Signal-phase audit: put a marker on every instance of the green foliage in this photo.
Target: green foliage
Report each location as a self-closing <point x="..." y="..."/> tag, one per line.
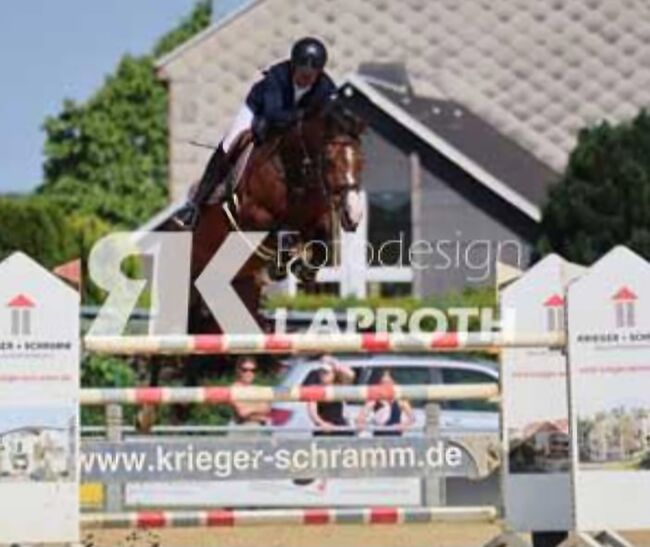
<point x="603" y="199"/>
<point x="37" y="228"/>
<point x="645" y="461"/>
<point x="108" y="156"/>
<point x="194" y="23"/>
<point x="106" y="371"/>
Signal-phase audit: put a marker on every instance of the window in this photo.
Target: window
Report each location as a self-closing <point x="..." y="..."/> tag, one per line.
<point x="464" y="376"/>
<point x="313" y="378"/>
<point x="389" y="228"/>
<point x="404" y="376"/>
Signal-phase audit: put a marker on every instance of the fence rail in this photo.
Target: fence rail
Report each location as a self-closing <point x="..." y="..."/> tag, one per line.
<point x="316" y="343"/>
<point x="229" y="518"/>
<point x="317" y="393"/>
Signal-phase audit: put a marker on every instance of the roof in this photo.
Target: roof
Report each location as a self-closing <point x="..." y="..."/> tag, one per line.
<point x="624" y="294"/>
<point x="31" y="430"/>
<point x="20" y="301"/>
<point x="554" y="301"/>
<point x="468" y="141"/>
<point x="536" y="71"/>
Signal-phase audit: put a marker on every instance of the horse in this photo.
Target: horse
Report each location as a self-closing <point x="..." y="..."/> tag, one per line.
<point x="297" y="182"/>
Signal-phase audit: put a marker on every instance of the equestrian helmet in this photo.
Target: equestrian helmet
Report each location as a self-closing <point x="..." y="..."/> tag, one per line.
<point x="309" y="52"/>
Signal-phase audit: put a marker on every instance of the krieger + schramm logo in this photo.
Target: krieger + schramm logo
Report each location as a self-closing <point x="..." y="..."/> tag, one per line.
<point x="21" y="308"/>
<point x="625" y="308"/>
<point x="554" y="313"/>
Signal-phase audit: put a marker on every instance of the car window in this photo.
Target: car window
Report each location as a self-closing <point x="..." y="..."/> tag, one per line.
<point x="465" y="376"/>
<point x="313" y="377"/>
<point x="403" y="376"/>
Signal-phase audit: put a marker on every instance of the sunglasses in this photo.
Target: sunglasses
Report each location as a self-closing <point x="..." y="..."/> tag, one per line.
<point x="247" y="369"/>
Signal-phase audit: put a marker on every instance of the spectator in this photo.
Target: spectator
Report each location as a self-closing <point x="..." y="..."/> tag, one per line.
<point x="249" y="413"/>
<point x="391" y="417"/>
<point x="329" y="416"/>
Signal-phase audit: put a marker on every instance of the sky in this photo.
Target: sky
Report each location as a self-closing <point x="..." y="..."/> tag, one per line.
<point x="52" y="50"/>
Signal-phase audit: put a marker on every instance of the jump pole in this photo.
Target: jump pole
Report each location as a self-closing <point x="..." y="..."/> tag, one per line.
<point x="298" y="343"/>
<point x="228" y="394"/>
<point x="302" y="517"/>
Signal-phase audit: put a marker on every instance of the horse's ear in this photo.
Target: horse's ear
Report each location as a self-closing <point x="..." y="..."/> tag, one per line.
<point x="353" y="123"/>
<point x="359" y="125"/>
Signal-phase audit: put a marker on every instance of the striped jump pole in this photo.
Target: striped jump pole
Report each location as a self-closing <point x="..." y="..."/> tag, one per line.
<point x="229" y="394"/>
<point x="294" y="343"/>
<point x="306" y="517"/>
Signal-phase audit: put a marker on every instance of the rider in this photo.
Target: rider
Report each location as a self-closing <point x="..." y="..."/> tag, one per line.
<point x="277" y="101"/>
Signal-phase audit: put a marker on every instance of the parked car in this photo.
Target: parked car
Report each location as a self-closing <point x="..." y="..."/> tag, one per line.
<point x="456" y="417"/>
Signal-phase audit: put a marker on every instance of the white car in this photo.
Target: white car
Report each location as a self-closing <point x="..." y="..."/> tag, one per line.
<point x="456" y="417"/>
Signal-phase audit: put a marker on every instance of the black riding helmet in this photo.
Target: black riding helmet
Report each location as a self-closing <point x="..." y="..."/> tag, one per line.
<point x="309" y="52"/>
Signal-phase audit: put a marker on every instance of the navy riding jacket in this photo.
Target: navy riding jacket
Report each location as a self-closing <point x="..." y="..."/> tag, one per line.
<point x="272" y="98"/>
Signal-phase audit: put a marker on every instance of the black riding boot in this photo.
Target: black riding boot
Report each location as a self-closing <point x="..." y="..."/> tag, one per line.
<point x="215" y="173"/>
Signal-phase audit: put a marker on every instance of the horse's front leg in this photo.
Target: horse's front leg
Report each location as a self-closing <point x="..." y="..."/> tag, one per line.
<point x="287" y="246"/>
<point x="314" y="255"/>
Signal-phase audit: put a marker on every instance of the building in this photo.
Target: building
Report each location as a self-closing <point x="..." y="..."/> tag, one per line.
<point x="32" y="451"/>
<point x="473" y="107"/>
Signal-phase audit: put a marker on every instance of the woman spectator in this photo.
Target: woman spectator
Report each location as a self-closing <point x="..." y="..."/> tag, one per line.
<point x="329" y="416"/>
<point x="391" y="417"/>
<point x="249" y="413"/>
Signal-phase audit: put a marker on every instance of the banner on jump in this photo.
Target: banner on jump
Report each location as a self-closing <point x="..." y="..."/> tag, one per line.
<point x="241" y="459"/>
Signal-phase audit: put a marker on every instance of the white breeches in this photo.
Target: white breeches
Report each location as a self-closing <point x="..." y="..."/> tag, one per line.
<point x="243" y="121"/>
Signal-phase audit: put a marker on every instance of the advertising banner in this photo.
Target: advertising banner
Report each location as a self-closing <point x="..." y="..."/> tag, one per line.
<point x="535" y="417"/>
<point x="609" y="362"/>
<point x="39" y="402"/>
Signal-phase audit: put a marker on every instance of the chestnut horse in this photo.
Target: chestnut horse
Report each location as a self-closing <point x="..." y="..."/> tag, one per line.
<point x="296" y="182"/>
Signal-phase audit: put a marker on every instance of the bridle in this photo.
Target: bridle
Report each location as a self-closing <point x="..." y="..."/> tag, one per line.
<point x="315" y="167"/>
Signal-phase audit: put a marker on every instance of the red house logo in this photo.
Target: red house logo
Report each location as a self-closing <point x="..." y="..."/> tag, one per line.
<point x="21" y="307"/>
<point x="624" y="306"/>
<point x="554" y="313"/>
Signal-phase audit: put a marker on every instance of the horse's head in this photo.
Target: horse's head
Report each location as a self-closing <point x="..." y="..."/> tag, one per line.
<point x="325" y="148"/>
<point x="344" y="161"/>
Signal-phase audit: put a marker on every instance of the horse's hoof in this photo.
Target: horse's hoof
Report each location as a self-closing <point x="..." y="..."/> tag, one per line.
<point x="303" y="272"/>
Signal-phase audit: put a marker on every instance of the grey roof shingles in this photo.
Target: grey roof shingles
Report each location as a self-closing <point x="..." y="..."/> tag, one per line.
<point x="537" y="70"/>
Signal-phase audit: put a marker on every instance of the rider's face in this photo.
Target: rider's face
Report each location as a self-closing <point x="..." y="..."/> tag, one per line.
<point x="305" y="77"/>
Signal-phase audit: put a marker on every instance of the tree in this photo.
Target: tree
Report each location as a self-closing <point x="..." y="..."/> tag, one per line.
<point x="37" y="228"/>
<point x="108" y="156"/>
<point x="603" y="198"/>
